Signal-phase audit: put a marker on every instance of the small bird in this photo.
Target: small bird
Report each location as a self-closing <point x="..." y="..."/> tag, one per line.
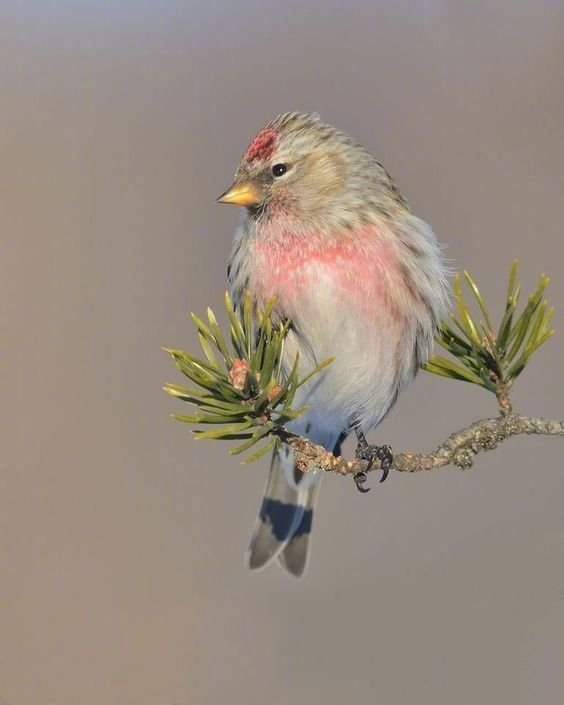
<point x="326" y="231"/>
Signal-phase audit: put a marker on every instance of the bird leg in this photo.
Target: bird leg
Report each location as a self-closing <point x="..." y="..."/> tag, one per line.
<point x="370" y="453"/>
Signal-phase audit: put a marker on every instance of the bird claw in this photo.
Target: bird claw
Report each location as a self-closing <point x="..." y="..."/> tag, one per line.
<point x="386" y="458"/>
<point x="359" y="480"/>
<point x="370" y="453"/>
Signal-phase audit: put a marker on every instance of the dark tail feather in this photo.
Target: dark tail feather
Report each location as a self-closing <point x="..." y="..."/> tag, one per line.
<point x="285" y="518"/>
<point x="283" y="527"/>
<point x="293" y="556"/>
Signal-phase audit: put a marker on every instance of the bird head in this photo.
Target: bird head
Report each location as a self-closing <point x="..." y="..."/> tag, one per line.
<point x="296" y="167"/>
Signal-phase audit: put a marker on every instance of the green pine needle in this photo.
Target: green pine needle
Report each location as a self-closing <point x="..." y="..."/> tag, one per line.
<point x="492" y="357"/>
<point x="244" y="392"/>
<point x="241" y="387"/>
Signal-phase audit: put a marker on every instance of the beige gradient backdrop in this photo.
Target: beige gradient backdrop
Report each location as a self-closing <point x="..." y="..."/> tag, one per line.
<point x="121" y="574"/>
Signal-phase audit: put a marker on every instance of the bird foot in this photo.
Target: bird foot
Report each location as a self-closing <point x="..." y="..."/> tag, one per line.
<point x="370" y="453"/>
<point x="359" y="480"/>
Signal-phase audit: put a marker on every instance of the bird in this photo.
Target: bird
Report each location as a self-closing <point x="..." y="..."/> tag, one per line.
<point x="326" y="232"/>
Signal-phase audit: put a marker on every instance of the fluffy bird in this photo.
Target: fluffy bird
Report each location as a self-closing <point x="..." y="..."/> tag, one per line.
<point x="326" y="231"/>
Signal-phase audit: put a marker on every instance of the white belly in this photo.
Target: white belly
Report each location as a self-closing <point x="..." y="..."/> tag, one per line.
<point x="371" y="302"/>
<point x="374" y="358"/>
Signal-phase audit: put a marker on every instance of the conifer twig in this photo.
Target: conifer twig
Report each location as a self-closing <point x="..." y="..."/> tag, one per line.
<point x="242" y="394"/>
<point x="459" y="449"/>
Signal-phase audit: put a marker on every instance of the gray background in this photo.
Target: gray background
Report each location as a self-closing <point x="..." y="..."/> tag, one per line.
<point x="121" y="574"/>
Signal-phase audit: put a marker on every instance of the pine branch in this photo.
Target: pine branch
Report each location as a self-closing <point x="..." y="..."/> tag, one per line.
<point x="242" y="393"/>
<point x="459" y="448"/>
<point x="492" y="357"/>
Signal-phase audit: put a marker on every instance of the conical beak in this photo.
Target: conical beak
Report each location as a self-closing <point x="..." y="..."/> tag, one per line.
<point x="246" y="193"/>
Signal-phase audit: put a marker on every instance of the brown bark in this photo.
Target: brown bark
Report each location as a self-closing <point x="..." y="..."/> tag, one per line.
<point x="459" y="448"/>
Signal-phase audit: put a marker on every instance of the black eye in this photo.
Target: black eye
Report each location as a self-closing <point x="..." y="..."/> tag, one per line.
<point x="279" y="169"/>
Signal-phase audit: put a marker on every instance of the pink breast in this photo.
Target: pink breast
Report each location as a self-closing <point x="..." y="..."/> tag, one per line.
<point x="359" y="267"/>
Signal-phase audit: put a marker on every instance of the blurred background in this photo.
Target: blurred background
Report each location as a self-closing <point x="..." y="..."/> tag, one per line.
<point x="121" y="538"/>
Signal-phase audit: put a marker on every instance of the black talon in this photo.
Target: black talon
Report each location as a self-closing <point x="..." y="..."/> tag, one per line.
<point x="359" y="480"/>
<point x="367" y="452"/>
<point x="386" y="458"/>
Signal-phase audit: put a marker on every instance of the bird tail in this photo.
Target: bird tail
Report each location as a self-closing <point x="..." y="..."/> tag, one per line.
<point x="284" y="522"/>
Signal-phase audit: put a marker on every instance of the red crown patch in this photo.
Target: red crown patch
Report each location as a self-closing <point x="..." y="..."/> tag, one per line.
<point x="262" y="146"/>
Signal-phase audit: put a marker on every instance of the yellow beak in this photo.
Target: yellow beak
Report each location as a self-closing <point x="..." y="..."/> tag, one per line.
<point x="243" y="194"/>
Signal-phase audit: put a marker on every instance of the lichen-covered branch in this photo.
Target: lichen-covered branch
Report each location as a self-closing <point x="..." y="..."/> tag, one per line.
<point x="241" y="394"/>
<point x="459" y="448"/>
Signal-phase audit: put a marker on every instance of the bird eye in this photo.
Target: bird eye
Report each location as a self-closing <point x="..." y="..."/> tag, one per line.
<point x="279" y="169"/>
